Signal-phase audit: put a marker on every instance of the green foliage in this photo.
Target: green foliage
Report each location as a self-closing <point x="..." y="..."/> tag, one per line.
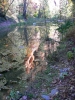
<point x="70" y="55"/>
<point x="12" y="94"/>
<point x="62" y="47"/>
<point x="70" y="34"/>
<point x="63" y="28"/>
<point x="35" y="14"/>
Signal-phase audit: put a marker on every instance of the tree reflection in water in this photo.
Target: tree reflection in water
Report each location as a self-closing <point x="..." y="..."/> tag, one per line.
<point x="33" y="46"/>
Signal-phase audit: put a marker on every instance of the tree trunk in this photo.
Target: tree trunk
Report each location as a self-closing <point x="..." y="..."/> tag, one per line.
<point x="24" y="9"/>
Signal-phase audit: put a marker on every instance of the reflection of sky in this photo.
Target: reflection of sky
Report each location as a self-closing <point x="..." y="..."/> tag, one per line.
<point x="54" y="34"/>
<point x="53" y="4"/>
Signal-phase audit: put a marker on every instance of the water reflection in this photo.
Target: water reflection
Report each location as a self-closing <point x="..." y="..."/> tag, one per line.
<point x="17" y="45"/>
<point x="33" y="46"/>
<point x="25" y="43"/>
<point x="26" y="35"/>
<point x="30" y="44"/>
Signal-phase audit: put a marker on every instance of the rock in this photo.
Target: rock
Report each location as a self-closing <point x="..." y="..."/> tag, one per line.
<point x="64" y="69"/>
<point x="54" y="92"/>
<point x="73" y="95"/>
<point x="46" y="97"/>
<point x="23" y="98"/>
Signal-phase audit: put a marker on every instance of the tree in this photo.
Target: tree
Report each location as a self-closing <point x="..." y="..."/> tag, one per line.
<point x="4" y="7"/>
<point x="72" y="8"/>
<point x="44" y="9"/>
<point x="63" y="9"/>
<point x="24" y="8"/>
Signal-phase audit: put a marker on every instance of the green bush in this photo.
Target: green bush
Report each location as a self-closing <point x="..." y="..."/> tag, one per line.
<point x="63" y="28"/>
<point x="70" y="34"/>
<point x="70" y="55"/>
<point x="35" y="14"/>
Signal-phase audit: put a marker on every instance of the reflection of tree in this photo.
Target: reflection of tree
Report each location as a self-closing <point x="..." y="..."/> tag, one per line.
<point x="31" y="48"/>
<point x="24" y="8"/>
<point x="26" y="35"/>
<point x="44" y="9"/>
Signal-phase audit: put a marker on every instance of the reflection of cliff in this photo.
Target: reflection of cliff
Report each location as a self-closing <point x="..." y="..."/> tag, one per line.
<point x="17" y="44"/>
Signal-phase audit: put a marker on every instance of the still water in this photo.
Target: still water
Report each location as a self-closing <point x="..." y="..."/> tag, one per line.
<point x="23" y="53"/>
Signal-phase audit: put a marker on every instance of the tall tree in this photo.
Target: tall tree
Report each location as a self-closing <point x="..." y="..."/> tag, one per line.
<point x="43" y="9"/>
<point x="24" y="8"/>
<point x="63" y="9"/>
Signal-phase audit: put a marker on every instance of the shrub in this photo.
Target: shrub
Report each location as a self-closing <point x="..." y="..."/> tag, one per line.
<point x="63" y="28"/>
<point x="35" y="14"/>
<point x="70" y="55"/>
<point x="71" y="33"/>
